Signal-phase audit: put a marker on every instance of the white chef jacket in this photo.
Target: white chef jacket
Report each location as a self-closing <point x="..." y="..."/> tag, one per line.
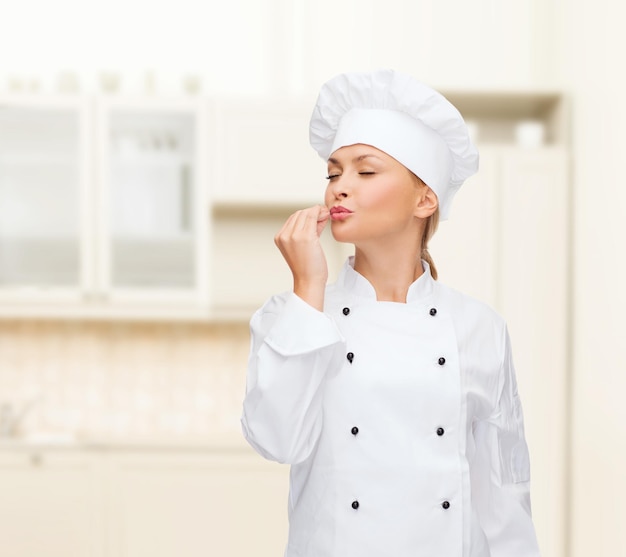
<point x="401" y="422"/>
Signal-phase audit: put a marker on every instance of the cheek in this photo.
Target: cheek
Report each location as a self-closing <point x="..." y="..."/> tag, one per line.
<point x="380" y="196"/>
<point x="328" y="196"/>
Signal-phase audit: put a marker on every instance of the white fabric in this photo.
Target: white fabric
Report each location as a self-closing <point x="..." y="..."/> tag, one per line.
<point x="401" y="116"/>
<point x="304" y="396"/>
<point x="398" y="133"/>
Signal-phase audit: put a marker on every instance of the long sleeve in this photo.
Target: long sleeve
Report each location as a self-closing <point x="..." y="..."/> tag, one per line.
<point x="501" y="471"/>
<point x="292" y="348"/>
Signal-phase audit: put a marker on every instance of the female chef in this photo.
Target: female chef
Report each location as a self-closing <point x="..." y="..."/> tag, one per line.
<point x="392" y="396"/>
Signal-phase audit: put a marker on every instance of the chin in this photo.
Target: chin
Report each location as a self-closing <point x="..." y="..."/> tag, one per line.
<point x="341" y="236"/>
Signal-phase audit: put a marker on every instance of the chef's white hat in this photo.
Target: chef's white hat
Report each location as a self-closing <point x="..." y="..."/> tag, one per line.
<point x="406" y="119"/>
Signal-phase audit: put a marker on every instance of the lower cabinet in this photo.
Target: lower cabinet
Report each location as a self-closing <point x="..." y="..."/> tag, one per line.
<point x="50" y="504"/>
<point x="196" y="505"/>
<point x="138" y="503"/>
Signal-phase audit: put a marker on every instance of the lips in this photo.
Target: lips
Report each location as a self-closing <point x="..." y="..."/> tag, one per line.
<point x="339" y="209"/>
<point x="339" y="213"/>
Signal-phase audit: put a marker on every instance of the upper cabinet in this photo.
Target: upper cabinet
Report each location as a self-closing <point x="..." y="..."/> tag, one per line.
<point x="166" y="209"/>
<point x="263" y="156"/>
<point x="103" y="208"/>
<point x="44" y="199"/>
<point x="151" y="205"/>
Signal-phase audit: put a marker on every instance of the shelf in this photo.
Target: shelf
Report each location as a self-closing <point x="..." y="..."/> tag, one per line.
<point x="262" y="209"/>
<point x="518" y="105"/>
<point x="80" y="310"/>
<point x="36" y="160"/>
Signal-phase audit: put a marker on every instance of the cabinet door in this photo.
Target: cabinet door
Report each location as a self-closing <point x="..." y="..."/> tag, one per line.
<point x="263" y="156"/>
<point x="248" y="268"/>
<point x="464" y="248"/>
<point x="533" y="296"/>
<point x="49" y="505"/>
<point x="44" y="201"/>
<point x="227" y="504"/>
<point x="151" y="201"/>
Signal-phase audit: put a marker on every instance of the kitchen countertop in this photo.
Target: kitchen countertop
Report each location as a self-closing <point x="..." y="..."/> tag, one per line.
<point x="147" y="443"/>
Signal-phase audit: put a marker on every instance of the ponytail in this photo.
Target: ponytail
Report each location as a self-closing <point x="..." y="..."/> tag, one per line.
<point x="430" y="228"/>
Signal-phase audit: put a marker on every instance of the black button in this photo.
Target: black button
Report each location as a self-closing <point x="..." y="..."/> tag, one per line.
<point x="354" y="430"/>
<point x="441" y="361"/>
<point x="445" y="505"/>
<point x="355" y="505"/>
<point x="433" y="311"/>
<point x="350" y="356"/>
<point x="346" y="311"/>
<point x="440" y="431"/>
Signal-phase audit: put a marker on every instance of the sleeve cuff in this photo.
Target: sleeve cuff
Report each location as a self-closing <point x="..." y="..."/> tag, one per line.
<point x="301" y="328"/>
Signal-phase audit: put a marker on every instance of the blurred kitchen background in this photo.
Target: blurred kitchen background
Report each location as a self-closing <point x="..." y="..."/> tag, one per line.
<point x="148" y="154"/>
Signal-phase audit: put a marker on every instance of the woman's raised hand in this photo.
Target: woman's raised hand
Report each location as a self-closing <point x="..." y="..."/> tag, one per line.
<point x="299" y="242"/>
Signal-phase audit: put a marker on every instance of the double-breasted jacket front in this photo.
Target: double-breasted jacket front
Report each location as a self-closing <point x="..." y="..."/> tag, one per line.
<point x="401" y="421"/>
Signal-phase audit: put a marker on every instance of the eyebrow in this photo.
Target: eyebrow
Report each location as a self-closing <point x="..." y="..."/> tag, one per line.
<point x="356" y="159"/>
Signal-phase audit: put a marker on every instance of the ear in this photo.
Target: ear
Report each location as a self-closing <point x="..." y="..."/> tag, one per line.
<point x="427" y="203"/>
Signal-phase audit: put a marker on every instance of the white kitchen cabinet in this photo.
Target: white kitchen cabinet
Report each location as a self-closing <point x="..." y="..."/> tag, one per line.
<point x="264" y="157"/>
<point x="247" y="266"/>
<point x="50" y="504"/>
<point x="465" y="247"/>
<point x="127" y="501"/>
<point x="103" y="208"/>
<point x="152" y="216"/>
<point x="212" y="503"/>
<point x="45" y="199"/>
<point x="534" y="279"/>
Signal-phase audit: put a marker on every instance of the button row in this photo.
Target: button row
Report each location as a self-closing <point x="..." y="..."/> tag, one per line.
<point x="355" y="430"/>
<point x="440" y="431"/>
<point x="432" y="311"/>
<point x="445" y="505"/>
<point x="350" y="356"/>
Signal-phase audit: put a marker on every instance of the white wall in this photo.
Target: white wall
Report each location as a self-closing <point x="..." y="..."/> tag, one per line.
<point x="255" y="46"/>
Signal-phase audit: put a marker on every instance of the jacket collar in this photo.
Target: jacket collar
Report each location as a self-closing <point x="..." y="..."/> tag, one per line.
<point x="359" y="286"/>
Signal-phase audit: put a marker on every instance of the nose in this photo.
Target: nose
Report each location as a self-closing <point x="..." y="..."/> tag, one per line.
<point x="339" y="187"/>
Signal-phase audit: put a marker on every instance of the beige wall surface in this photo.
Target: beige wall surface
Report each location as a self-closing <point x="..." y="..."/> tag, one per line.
<point x="133" y="380"/>
<point x="592" y="58"/>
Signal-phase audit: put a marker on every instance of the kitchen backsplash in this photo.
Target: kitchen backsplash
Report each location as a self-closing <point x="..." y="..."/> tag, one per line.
<point x="130" y="380"/>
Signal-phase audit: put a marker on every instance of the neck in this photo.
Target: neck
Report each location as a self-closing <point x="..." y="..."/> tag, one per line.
<point x="390" y="270"/>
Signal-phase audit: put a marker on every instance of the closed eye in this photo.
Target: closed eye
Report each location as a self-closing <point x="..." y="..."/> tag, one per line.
<point x="331" y="176"/>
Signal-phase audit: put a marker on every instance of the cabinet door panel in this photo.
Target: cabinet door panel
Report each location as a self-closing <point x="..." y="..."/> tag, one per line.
<point x="263" y="156"/>
<point x="41" y="196"/>
<point x="151" y="200"/>
<point x="151" y="192"/>
<point x="48" y="506"/>
<point x="229" y="505"/>
<point x="464" y="247"/>
<point x="533" y="296"/>
<point x="248" y="268"/>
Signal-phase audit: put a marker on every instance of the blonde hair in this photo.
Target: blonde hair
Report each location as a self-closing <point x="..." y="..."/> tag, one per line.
<point x="430" y="228"/>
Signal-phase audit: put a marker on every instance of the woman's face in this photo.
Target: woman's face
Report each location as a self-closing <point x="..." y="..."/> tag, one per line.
<point x="372" y="196"/>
